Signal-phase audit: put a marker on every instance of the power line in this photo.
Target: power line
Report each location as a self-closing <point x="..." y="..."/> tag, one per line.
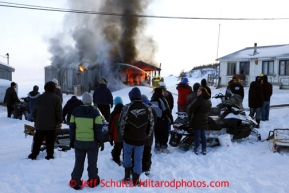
<point x="42" y="8"/>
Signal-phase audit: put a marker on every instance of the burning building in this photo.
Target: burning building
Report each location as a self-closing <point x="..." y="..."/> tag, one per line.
<point x="87" y="79"/>
<point x="106" y="45"/>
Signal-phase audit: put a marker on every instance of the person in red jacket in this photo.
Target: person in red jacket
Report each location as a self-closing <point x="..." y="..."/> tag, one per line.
<point x="114" y="132"/>
<point x="183" y="92"/>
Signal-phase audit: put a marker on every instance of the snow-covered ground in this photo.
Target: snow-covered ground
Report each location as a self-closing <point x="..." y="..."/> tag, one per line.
<point x="248" y="166"/>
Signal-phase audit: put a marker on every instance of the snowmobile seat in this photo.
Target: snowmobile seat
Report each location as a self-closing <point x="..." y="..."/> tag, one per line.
<point x="215" y="123"/>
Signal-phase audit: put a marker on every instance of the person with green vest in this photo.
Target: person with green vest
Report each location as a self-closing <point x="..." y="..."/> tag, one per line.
<point x="85" y="137"/>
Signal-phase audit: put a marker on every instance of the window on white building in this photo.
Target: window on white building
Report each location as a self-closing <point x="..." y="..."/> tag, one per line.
<point x="268" y="67"/>
<point x="284" y="67"/>
<point x="231" y="70"/>
<point x="244" y="68"/>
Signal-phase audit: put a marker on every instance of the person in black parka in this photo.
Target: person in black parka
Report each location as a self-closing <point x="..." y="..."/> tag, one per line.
<point x="47" y="114"/>
<point x="11" y="98"/>
<point x="267" y="93"/>
<point x="198" y="115"/>
<point x="68" y="108"/>
<point x="256" y="100"/>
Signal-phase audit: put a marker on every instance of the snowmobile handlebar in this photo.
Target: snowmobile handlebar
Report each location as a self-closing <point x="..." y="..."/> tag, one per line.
<point x="220" y="95"/>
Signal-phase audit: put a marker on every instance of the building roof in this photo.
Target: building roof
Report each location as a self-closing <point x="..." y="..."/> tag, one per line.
<point x="262" y="52"/>
<point x="6" y="67"/>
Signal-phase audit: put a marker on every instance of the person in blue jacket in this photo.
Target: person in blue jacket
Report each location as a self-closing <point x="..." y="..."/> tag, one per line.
<point x="102" y="98"/>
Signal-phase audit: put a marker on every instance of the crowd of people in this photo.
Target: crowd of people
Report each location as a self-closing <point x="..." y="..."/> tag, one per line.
<point x="132" y="127"/>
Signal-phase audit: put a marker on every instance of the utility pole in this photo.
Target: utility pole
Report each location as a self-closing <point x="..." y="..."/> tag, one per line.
<point x="7" y="55"/>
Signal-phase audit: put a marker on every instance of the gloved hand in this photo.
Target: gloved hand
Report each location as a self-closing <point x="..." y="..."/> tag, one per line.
<point x="59" y="125"/>
<point x="71" y="144"/>
<point x="101" y="146"/>
<point x="110" y="140"/>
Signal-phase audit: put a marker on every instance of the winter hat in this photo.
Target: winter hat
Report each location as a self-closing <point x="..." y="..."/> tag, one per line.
<point x="103" y="81"/>
<point x="196" y="86"/>
<point x="35" y="88"/>
<point x="204" y="82"/>
<point x="258" y="78"/>
<point x="162" y="84"/>
<point x="13" y="84"/>
<point x="49" y="86"/>
<point x="134" y="94"/>
<point x="145" y="99"/>
<point x="87" y="98"/>
<point x="185" y="81"/>
<point x="55" y="81"/>
<point x="117" y="100"/>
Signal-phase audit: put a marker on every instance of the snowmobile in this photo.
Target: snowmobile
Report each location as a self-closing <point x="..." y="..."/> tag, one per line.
<point x="223" y="119"/>
<point x="62" y="140"/>
<point x="20" y="109"/>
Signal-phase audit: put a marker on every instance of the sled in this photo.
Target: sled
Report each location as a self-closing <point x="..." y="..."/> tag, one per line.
<point x="280" y="138"/>
<point x="62" y="140"/>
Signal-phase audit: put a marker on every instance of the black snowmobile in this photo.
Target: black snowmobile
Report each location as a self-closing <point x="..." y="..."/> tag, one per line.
<point x="21" y="109"/>
<point x="223" y="119"/>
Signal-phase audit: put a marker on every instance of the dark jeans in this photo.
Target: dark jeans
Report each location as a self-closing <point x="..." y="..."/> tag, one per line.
<point x="81" y="149"/>
<point x="161" y="134"/>
<point x="116" y="151"/>
<point x="38" y="139"/>
<point x="256" y="112"/>
<point x="265" y="111"/>
<point x="9" y="110"/>
<point x="200" y="134"/>
<point x="105" y="111"/>
<point x="146" y="158"/>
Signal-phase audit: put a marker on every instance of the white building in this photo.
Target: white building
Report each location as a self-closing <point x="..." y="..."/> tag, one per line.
<point x="5" y="79"/>
<point x="248" y="63"/>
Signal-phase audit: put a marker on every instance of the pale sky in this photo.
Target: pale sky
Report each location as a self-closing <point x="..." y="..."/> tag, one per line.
<point x="182" y="44"/>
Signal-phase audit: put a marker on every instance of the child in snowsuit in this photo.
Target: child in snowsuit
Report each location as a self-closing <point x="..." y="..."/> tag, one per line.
<point x="114" y="132"/>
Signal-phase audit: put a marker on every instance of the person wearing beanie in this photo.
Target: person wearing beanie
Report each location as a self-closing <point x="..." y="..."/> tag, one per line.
<point x="85" y="132"/>
<point x="256" y="100"/>
<point x="193" y="95"/>
<point x="136" y="123"/>
<point x="32" y="96"/>
<point x="11" y="98"/>
<point x="267" y="93"/>
<point x="198" y="112"/>
<point x="57" y="89"/>
<point x="102" y="98"/>
<point x="68" y="108"/>
<point x="204" y="84"/>
<point x="47" y="115"/>
<point x="183" y="92"/>
<point x="114" y="132"/>
<point x="164" y="116"/>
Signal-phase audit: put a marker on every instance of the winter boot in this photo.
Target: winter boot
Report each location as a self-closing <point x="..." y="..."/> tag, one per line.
<point x="93" y="182"/>
<point x="32" y="156"/>
<point x="135" y="179"/>
<point x="258" y="126"/>
<point x="126" y="174"/>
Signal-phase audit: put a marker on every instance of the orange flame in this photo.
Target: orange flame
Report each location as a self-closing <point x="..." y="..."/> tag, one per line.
<point x="81" y="68"/>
